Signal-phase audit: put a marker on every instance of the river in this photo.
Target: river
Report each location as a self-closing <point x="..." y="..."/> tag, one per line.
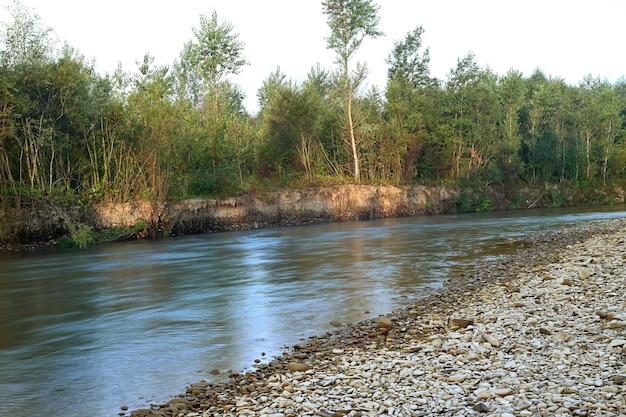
<point x="83" y="332"/>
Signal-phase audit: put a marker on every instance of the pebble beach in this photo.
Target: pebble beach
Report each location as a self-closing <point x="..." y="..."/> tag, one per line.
<point x="538" y="333"/>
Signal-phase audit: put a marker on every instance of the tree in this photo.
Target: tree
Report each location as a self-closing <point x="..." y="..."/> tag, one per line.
<point x="512" y="91"/>
<point x="473" y="106"/>
<point x="350" y="21"/>
<point x="409" y="105"/>
<point x="600" y="124"/>
<point x="26" y="40"/>
<point x="215" y="53"/>
<point x="292" y="121"/>
<point x="408" y="62"/>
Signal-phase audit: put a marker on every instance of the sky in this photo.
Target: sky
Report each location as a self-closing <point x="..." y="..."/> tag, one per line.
<point x="565" y="39"/>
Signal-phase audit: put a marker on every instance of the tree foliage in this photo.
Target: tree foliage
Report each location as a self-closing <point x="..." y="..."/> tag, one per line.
<point x="350" y="21"/>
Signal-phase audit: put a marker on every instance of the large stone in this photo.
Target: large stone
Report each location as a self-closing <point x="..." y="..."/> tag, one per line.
<point x="617" y="342"/>
<point x="481" y="407"/>
<point x="619" y="379"/>
<point x="491" y="339"/>
<point x="459" y="323"/>
<point x="385" y="323"/>
<point x="298" y="367"/>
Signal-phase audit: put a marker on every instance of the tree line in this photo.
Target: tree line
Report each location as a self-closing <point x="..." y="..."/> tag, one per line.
<point x="69" y="135"/>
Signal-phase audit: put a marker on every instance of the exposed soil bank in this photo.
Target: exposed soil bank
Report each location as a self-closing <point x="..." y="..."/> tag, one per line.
<point x="23" y="229"/>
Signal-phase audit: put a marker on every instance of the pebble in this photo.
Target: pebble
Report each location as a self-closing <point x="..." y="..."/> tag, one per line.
<point x="528" y="336"/>
<point x="297" y="367"/>
<point x="385" y="323"/>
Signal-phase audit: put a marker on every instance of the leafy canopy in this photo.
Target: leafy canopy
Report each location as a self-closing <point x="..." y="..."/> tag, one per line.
<point x="350" y="21"/>
<point x="217" y="52"/>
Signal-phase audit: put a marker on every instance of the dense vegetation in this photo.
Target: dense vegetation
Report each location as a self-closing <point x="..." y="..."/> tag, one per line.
<point x="69" y="135"/>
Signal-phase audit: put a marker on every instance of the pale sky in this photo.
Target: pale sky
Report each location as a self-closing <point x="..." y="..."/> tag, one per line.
<point x="567" y="39"/>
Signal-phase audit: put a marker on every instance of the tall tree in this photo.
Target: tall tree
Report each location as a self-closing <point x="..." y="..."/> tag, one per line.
<point x="215" y="54"/>
<point x="26" y="40"/>
<point x="408" y="105"/>
<point x="512" y="90"/>
<point x="350" y="22"/>
<point x="473" y="106"/>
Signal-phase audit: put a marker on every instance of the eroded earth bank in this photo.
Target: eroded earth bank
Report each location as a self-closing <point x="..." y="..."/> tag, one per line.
<point x="540" y="333"/>
<point x="31" y="228"/>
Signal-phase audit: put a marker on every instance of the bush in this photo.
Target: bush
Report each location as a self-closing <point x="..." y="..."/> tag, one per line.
<point x="464" y="203"/>
<point x="483" y="205"/>
<point x="80" y="235"/>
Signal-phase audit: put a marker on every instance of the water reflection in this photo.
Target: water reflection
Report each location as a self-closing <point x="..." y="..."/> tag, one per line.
<point x="134" y="323"/>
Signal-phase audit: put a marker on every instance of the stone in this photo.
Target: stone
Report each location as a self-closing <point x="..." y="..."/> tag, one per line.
<point x="619" y="379"/>
<point x="606" y="315"/>
<point x="457" y="378"/>
<point x="481" y="407"/>
<point x="298" y="367"/>
<point x="335" y="323"/>
<point x="459" y="323"/>
<point x="385" y="323"/>
<point x="503" y="392"/>
<point x="492" y="340"/>
<point x="545" y="331"/>
<point x="617" y="342"/>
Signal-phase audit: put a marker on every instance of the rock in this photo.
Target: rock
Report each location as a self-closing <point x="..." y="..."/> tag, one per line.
<point x="459" y="323"/>
<point x="300" y="356"/>
<point x="606" y="315"/>
<point x="481" y="407"/>
<point x="335" y="323"/>
<point x="492" y="340"/>
<point x="567" y="281"/>
<point x="215" y="372"/>
<point x="584" y="273"/>
<point x="142" y="412"/>
<point x="617" y="342"/>
<point x="437" y="342"/>
<point x="298" y="367"/>
<point x="457" y="378"/>
<point x="619" y="379"/>
<point x="613" y="325"/>
<point x="385" y="323"/>
<point x="503" y="392"/>
<point x="545" y="331"/>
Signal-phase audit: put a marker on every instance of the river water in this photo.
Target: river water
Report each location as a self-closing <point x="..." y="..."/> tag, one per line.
<point x="83" y="332"/>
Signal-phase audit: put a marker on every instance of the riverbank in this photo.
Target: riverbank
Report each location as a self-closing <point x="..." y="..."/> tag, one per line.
<point x="33" y="228"/>
<point x="540" y="333"/>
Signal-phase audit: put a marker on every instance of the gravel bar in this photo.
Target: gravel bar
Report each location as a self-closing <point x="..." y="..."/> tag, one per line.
<point x="538" y="333"/>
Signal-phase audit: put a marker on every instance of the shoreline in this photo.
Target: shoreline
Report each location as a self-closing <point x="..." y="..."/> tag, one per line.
<point x="503" y="341"/>
<point x="37" y="228"/>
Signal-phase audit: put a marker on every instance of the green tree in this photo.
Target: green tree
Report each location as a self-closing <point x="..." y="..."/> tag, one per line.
<point x="512" y="92"/>
<point x="473" y="106"/>
<point x="215" y="54"/>
<point x="350" y="21"/>
<point x="26" y="40"/>
<point x="409" y="108"/>
<point x="600" y="124"/>
<point x="543" y="117"/>
<point x="292" y="118"/>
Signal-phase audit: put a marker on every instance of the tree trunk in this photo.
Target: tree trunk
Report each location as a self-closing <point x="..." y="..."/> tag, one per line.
<point x="355" y="154"/>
